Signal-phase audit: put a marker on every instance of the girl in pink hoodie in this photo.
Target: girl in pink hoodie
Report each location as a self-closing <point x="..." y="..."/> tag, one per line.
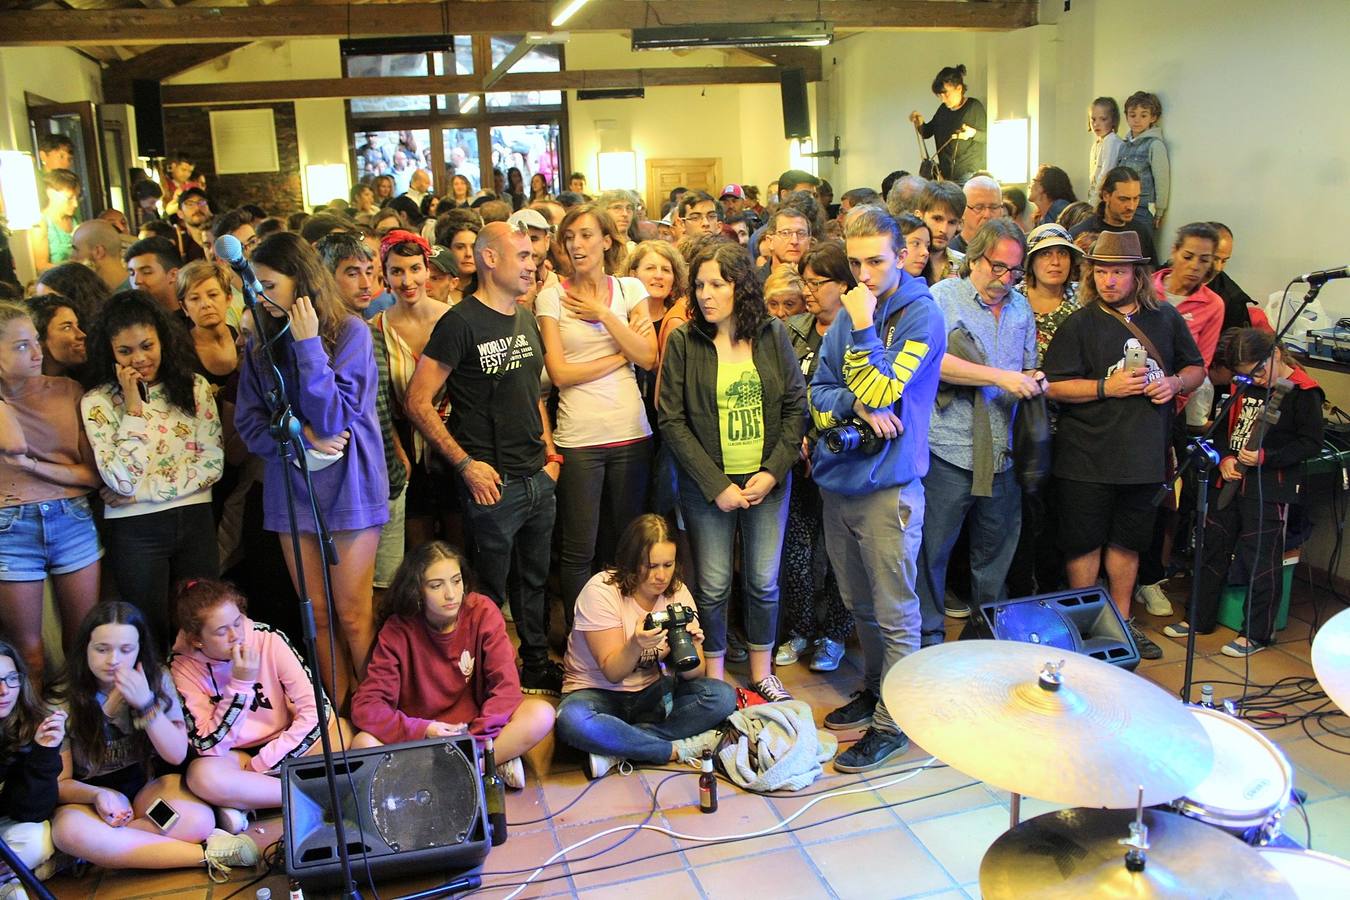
<point x="443" y="664"/>
<point x="247" y="698"/>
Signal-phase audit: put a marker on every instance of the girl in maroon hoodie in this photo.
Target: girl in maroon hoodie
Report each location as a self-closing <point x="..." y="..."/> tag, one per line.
<point x="247" y="698"/>
<point x="443" y="664"/>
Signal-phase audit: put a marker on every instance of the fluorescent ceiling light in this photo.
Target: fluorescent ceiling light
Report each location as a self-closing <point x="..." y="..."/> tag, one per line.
<point x="566" y="10"/>
<point x="768" y="34"/>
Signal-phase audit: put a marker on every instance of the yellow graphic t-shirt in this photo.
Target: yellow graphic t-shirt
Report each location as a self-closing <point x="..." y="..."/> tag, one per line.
<point x="740" y="414"/>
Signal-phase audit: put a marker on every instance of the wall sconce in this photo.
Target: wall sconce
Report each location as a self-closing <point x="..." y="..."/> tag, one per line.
<point x="1009" y="154"/>
<point x="325" y="182"/>
<point x="617" y="169"/>
<point x="18" y="186"/>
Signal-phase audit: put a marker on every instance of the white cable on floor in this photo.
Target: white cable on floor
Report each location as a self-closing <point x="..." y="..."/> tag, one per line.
<point x="723" y="837"/>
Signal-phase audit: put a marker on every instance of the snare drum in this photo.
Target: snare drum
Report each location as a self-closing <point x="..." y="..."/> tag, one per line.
<point x="1313" y="876"/>
<point x="1249" y="787"/>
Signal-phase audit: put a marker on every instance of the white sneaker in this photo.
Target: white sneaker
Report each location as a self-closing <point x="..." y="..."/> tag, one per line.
<point x="791" y="650"/>
<point x="224" y="851"/>
<point x="231" y="821"/>
<point x="1154" y="600"/>
<point x="13" y="890"/>
<point x="598" y="765"/>
<point x="512" y="773"/>
<point x="690" y="749"/>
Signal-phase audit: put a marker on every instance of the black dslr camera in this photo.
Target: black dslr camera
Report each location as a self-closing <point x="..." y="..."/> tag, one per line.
<point x="683" y="656"/>
<point x="852" y="435"/>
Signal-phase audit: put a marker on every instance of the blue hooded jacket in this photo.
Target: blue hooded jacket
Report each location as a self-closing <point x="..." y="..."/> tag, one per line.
<point x="857" y="365"/>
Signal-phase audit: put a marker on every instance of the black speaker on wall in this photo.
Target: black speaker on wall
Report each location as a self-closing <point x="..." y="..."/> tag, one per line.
<point x="415" y="808"/>
<point x="145" y="100"/>
<point x="1083" y="621"/>
<point x="796" y="114"/>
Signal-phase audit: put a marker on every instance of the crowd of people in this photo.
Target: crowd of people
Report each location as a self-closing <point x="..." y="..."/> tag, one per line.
<point x="769" y="428"/>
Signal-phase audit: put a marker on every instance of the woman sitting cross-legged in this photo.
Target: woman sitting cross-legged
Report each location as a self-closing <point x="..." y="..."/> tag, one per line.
<point x="618" y="704"/>
<point x="124" y="722"/>
<point x="248" y="698"/>
<point x="443" y="665"/>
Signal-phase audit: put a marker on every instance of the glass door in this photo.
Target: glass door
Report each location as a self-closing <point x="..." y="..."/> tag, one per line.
<point x="77" y="122"/>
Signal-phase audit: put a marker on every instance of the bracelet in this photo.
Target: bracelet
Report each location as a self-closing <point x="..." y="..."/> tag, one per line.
<point x="463" y="464"/>
<point x="145" y="717"/>
<point x="554" y="458"/>
<point x="1101" y="388"/>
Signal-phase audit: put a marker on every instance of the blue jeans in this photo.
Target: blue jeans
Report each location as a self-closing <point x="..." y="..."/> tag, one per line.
<point x="995" y="523"/>
<point x="517" y="529"/>
<point x="712" y="537"/>
<point x="640" y="725"/>
<point x="56" y="536"/>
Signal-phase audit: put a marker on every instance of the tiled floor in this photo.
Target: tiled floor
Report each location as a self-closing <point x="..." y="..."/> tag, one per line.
<point x="921" y="837"/>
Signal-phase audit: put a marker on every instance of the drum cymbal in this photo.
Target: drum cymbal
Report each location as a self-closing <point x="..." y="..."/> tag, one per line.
<point x="1075" y="853"/>
<point x="1331" y="658"/>
<point x="980" y="707"/>
<point x="1312" y="875"/>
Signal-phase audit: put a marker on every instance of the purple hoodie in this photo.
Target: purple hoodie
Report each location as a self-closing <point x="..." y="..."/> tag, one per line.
<point x="329" y="397"/>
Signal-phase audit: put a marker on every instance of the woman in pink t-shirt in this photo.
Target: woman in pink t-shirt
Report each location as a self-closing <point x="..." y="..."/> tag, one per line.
<point x="619" y="702"/>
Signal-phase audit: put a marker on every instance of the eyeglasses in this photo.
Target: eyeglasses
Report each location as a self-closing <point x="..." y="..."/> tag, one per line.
<point x="12" y="680"/>
<point x="815" y="284"/>
<point x="700" y="218"/>
<point x="791" y="235"/>
<point x="999" y="269"/>
<point x="193" y="203"/>
<point x="987" y="209"/>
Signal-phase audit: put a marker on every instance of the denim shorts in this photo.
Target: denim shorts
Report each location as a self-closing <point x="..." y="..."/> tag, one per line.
<point x="49" y="537"/>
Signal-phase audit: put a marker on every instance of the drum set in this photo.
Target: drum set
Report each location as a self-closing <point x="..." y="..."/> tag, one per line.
<point x="1166" y="799"/>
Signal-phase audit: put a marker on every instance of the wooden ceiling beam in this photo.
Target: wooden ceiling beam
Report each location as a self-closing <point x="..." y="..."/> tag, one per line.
<point x="190" y="24"/>
<point x="156" y="65"/>
<point x="321" y="88"/>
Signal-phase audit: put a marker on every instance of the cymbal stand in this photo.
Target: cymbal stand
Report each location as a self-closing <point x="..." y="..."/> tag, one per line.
<point x="1136" y="858"/>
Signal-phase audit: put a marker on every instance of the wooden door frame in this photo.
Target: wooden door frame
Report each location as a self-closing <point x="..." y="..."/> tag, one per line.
<point x="38" y="107"/>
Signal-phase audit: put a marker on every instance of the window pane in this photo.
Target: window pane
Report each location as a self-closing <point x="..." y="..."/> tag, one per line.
<point x="394" y="153"/>
<point x="502" y="100"/>
<point x="542" y="58"/>
<point x="461" y="158"/>
<point x="530" y="148"/>
<point x="459" y="104"/>
<point x="389" y="65"/>
<point x="415" y="105"/>
<point x="462" y="56"/>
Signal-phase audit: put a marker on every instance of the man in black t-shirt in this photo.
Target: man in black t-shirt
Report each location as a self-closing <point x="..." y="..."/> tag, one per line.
<point x="1117" y="393"/>
<point x="488" y="353"/>
<point x="1119" y="200"/>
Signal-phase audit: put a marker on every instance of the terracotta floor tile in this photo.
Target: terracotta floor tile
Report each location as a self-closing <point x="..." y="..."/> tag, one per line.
<point x="671" y="886"/>
<point x="1328" y="766"/>
<point x="784" y="875"/>
<point x="613" y="796"/>
<point x="520" y="855"/>
<point x="830" y="808"/>
<point x="959" y="842"/>
<point x="527" y="805"/>
<point x="1330" y="831"/>
<point x="1267" y="667"/>
<point x="735" y="815"/>
<point x="1169" y="676"/>
<point x="877" y="864"/>
<point x="643" y="843"/>
<point x="933" y="781"/>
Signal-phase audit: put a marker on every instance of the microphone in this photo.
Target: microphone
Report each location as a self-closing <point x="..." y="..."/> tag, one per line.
<point x="1324" y="275"/>
<point x="231" y="252"/>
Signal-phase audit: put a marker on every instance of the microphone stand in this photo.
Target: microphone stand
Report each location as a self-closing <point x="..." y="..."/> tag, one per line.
<point x="30" y="882"/>
<point x="285" y="430"/>
<point x="1203" y="456"/>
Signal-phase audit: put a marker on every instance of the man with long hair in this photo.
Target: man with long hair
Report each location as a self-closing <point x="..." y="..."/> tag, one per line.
<point x="1114" y="367"/>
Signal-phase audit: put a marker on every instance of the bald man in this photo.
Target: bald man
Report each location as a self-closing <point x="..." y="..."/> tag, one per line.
<point x="488" y="353"/>
<point x="418" y="186"/>
<point x="98" y="245"/>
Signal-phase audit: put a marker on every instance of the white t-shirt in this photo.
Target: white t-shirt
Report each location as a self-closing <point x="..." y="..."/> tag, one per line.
<point x="600" y="607"/>
<point x="607" y="410"/>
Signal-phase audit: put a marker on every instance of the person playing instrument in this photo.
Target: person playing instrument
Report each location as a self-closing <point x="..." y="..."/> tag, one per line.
<point x="1254" y="522"/>
<point x="958" y="126"/>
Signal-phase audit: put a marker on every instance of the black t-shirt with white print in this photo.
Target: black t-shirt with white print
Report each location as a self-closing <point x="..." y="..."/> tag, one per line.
<point x="494" y="384"/>
<point x="1119" y="440"/>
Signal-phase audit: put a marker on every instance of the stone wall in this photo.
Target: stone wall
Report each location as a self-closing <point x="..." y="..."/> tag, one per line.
<point x="188" y="128"/>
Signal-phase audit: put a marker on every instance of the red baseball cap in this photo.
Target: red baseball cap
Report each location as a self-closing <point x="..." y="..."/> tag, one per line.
<point x="732" y="190"/>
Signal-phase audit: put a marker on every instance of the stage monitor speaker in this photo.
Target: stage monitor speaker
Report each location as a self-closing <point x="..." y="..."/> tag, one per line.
<point x="796" y="114"/>
<point x="415" y="808"/>
<point x="1084" y="621"/>
<point x="145" y="100"/>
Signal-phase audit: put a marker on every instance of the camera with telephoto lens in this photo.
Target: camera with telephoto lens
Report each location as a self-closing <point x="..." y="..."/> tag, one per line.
<point x="683" y="656"/>
<point x="852" y="435"/>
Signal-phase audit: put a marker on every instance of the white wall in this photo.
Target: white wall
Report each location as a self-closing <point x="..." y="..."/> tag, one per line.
<point x="56" y="74"/>
<point x="741" y="124"/>
<point x="1253" y="116"/>
<point x="321" y="125"/>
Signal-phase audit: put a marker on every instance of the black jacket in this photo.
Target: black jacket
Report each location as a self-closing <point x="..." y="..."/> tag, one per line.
<point x="688" y="415"/>
<point x="1295" y="438"/>
<point x="29" y="792"/>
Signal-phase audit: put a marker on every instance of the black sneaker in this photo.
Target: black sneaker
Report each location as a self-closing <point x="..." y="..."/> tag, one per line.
<point x="1147" y="649"/>
<point x="872" y="751"/>
<point x="771" y="689"/>
<point x="855" y="713"/>
<point x="954" y="607"/>
<point x="545" y="678"/>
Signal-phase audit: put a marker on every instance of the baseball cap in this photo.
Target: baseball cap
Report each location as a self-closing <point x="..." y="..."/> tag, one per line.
<point x="732" y="190"/>
<point x="530" y="218"/>
<point x="443" y="259"/>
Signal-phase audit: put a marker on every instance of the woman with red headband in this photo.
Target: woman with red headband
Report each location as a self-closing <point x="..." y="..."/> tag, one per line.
<point x="405" y="329"/>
